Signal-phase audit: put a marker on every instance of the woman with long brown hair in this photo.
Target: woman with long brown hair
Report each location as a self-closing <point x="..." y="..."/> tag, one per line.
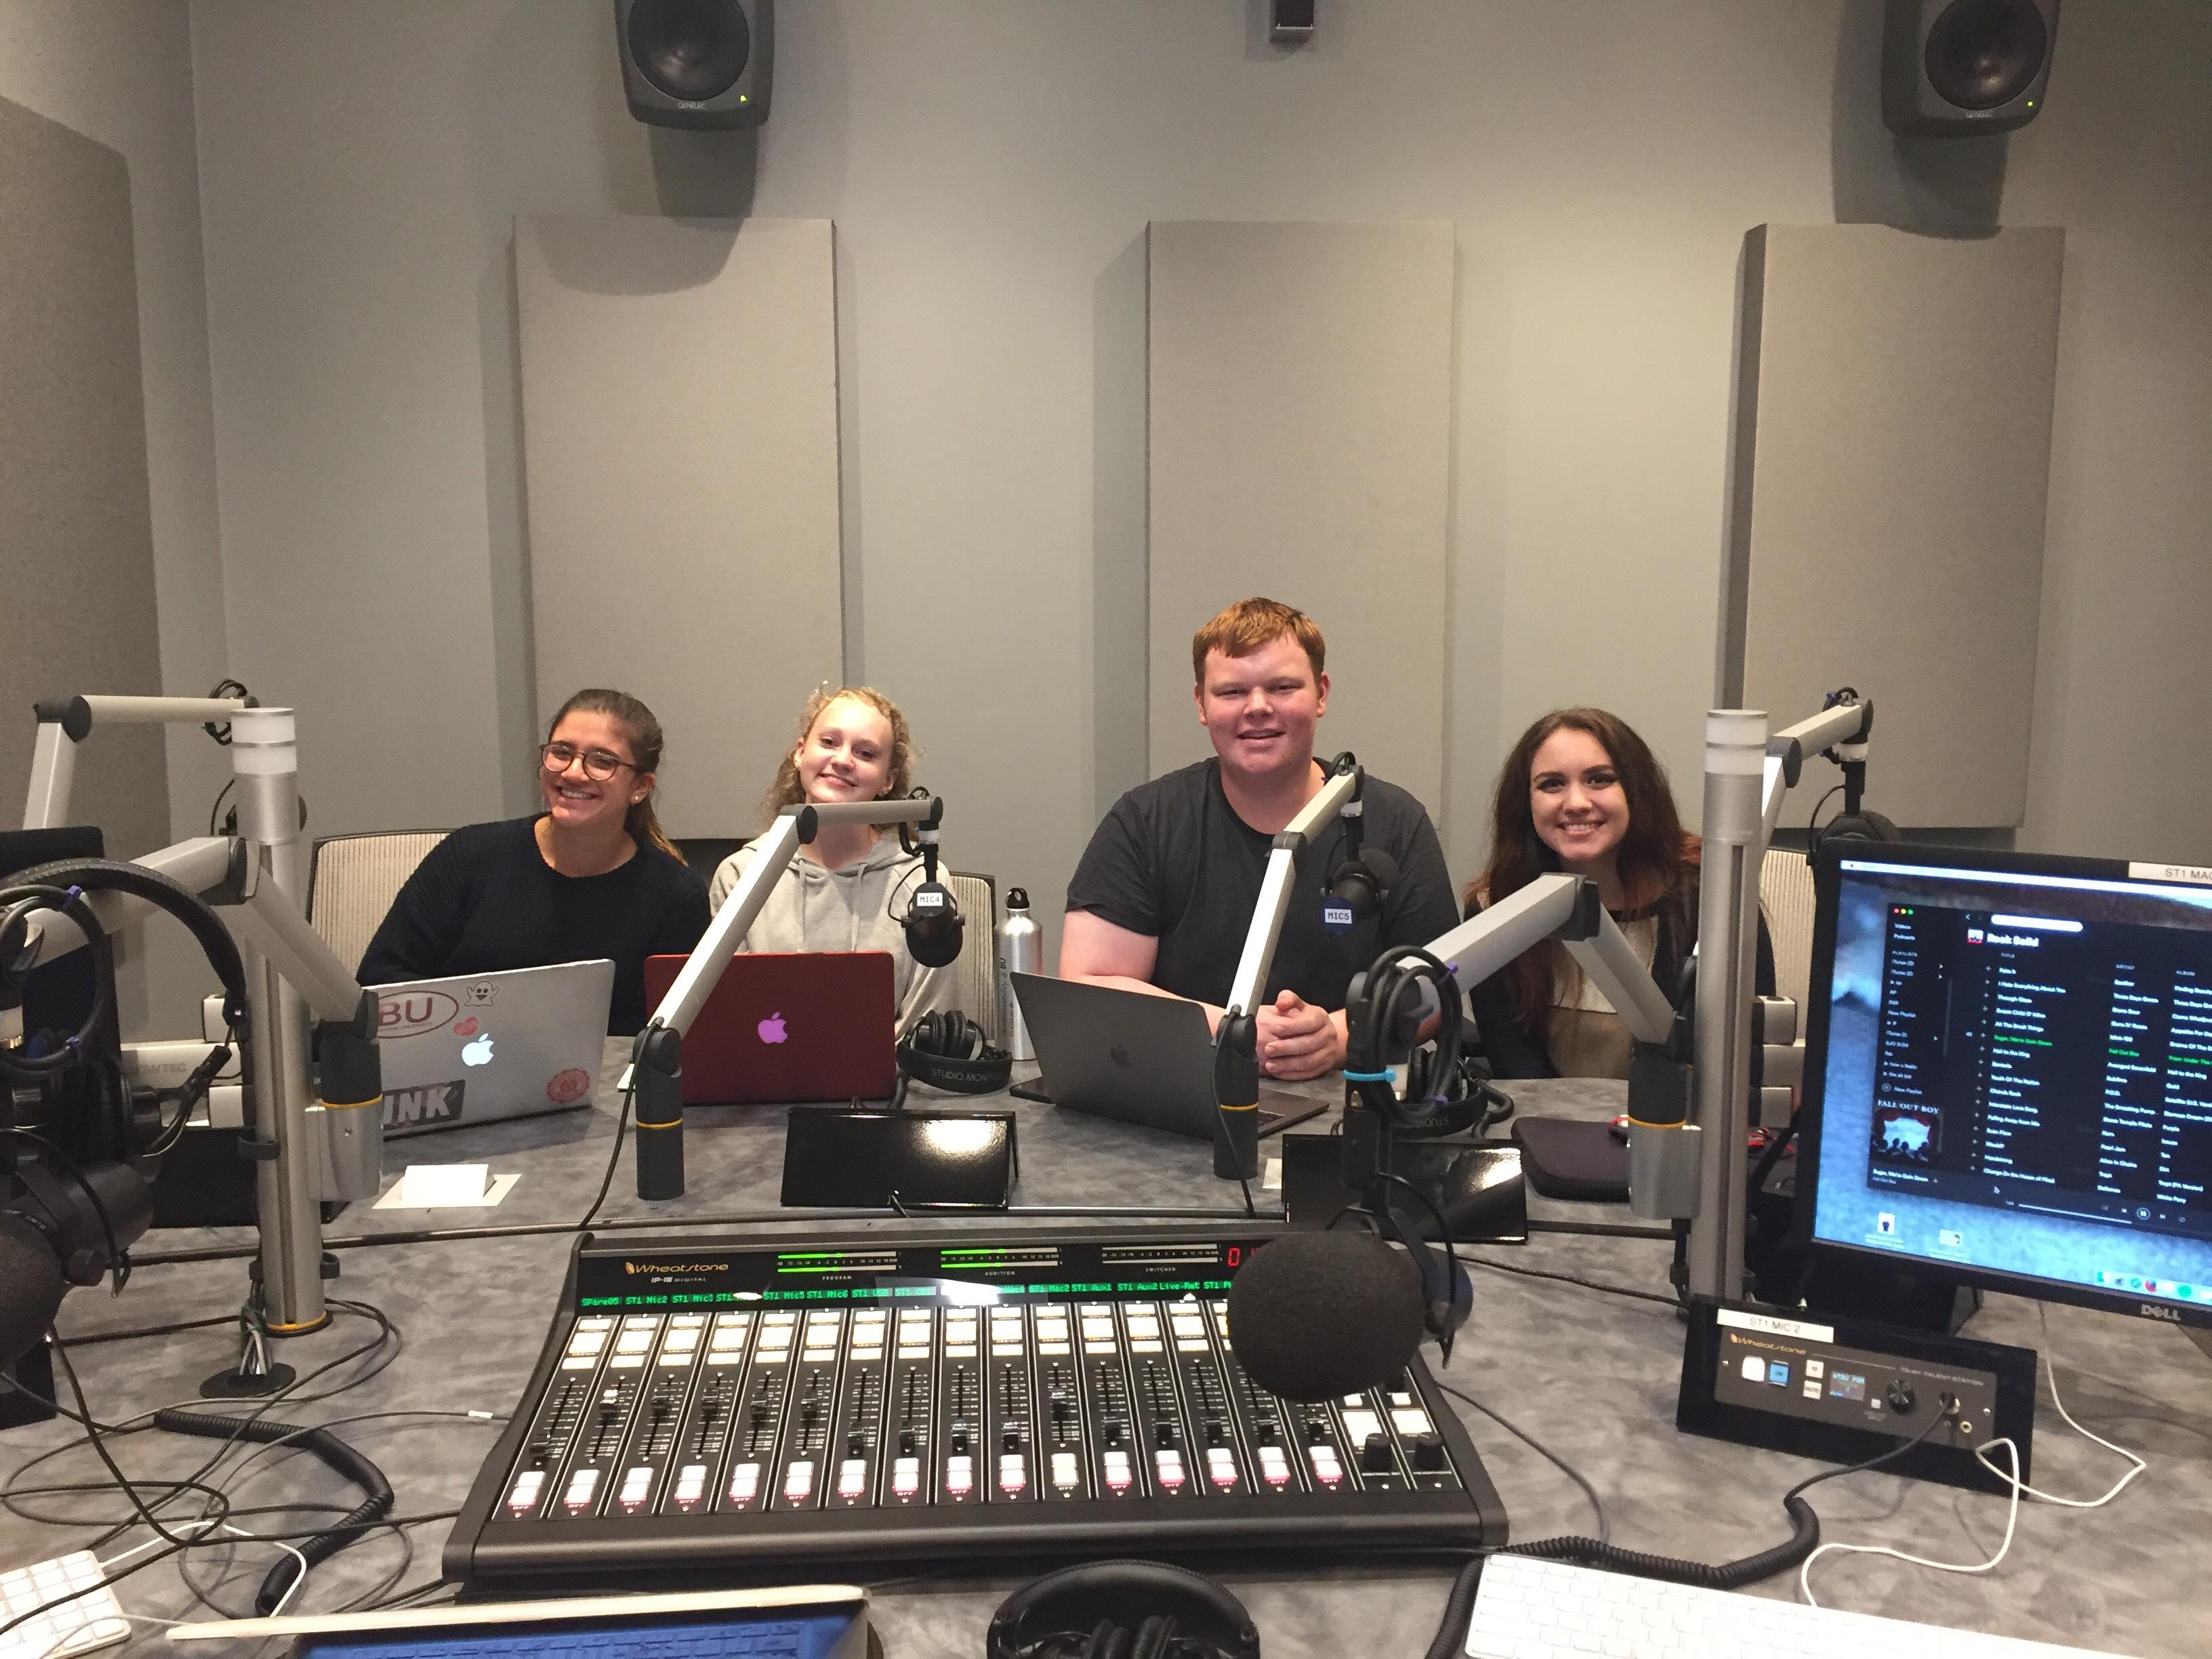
<point x="592" y="876"/>
<point x="846" y="889"/>
<point x="1582" y="793"/>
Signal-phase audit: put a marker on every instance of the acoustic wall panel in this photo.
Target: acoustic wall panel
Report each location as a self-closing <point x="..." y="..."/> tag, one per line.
<point x="679" y="412"/>
<point x="1299" y="429"/>
<point x="76" y="539"/>
<point x="1891" y="458"/>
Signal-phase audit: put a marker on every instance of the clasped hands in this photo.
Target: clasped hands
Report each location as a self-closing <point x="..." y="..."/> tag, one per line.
<point x="1296" y="1040"/>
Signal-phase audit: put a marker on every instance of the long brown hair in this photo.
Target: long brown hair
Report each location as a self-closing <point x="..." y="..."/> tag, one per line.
<point x="787" y="791"/>
<point x="645" y="743"/>
<point x="1656" y="857"/>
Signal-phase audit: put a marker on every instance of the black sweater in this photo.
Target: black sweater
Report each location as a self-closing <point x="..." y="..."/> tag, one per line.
<point x="1516" y="1051"/>
<point x="485" y="900"/>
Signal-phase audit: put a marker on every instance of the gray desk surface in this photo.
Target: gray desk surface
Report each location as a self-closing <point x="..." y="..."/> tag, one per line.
<point x="1592" y="1374"/>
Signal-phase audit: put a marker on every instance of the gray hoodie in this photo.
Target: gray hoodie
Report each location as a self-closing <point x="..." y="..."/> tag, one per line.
<point x="812" y="909"/>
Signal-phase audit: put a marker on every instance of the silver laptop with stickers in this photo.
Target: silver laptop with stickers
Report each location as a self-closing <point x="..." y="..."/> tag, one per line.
<point x="479" y="1047"/>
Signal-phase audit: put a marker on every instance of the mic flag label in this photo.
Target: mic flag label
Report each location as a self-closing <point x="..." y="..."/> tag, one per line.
<point x="1336" y="915"/>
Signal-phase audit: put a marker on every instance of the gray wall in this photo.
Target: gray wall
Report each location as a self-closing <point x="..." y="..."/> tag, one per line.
<point x="120" y="73"/>
<point x="991" y="166"/>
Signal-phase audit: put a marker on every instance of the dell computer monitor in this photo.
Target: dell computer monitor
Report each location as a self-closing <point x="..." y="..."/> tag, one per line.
<point x="2008" y="1074"/>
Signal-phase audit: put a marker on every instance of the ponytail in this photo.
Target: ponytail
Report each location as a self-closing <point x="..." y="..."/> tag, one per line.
<point x="645" y="742"/>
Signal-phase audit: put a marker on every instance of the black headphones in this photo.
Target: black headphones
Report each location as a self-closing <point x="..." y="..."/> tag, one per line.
<point x="1387" y="1006"/>
<point x="950" y="1051"/>
<point x="1122" y="1610"/>
<point x="1449" y="1097"/>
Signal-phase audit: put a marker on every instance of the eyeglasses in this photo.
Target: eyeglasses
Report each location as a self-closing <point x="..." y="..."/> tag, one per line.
<point x="599" y="764"/>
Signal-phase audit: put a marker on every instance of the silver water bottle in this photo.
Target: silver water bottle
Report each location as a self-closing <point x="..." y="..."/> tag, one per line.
<point x="1021" y="950"/>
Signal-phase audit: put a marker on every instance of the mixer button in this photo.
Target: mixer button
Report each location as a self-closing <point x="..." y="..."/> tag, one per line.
<point x="1168" y="1464"/>
<point x="852" y="1478"/>
<point x="798" y="1480"/>
<point x="906" y="1477"/>
<point x="1116" y="1465"/>
<point x="1013" y="1472"/>
<point x="1064" y="1474"/>
<point x="1221" y="1466"/>
<point x="745" y="1483"/>
<point x="959" y="1476"/>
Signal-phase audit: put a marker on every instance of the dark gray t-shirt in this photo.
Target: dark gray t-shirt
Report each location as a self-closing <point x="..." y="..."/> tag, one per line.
<point x="1173" y="861"/>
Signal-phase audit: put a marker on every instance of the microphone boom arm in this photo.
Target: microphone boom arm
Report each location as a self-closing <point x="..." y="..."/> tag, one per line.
<point x="657" y="1057"/>
<point x="1236" y="1039"/>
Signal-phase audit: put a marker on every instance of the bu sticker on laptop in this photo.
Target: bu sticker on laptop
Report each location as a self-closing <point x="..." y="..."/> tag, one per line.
<point x="1336" y="915"/>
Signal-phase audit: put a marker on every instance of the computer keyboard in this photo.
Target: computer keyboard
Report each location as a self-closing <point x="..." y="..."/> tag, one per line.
<point x="1529" y="1608"/>
<point x="93" y="1620"/>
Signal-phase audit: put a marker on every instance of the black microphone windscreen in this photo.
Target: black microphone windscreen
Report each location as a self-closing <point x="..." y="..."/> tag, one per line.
<point x="1366" y="881"/>
<point x="934" y="926"/>
<point x="31" y="1287"/>
<point x="1316" y="1315"/>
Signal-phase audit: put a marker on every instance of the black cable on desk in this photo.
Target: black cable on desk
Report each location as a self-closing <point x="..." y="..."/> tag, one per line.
<point x="1571" y="1279"/>
<point x="334" y="1453"/>
<point x="392" y="1522"/>
<point x="94" y="1338"/>
<point x="1604" y="1527"/>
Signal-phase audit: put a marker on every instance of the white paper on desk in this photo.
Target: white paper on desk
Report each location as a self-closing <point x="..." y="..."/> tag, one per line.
<point x="1271" y="1176"/>
<point x="447" y="1187"/>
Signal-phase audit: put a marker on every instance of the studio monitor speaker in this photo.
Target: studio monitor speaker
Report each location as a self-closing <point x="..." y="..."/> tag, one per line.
<point x="1952" y="69"/>
<point x="696" y="63"/>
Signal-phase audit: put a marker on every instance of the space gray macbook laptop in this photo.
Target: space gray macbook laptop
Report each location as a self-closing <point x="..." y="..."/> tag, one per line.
<point x="480" y="1047"/>
<point x="1144" y="1059"/>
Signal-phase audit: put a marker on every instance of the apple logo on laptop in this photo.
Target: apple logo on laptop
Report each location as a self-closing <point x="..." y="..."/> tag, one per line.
<point x="1120" y="1056"/>
<point x="771" y="1029"/>
<point x="477" y="1050"/>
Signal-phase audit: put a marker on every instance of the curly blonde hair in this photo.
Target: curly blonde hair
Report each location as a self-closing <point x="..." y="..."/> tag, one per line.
<point x="785" y="790"/>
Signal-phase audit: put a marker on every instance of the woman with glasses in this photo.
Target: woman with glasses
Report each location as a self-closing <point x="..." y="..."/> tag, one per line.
<point x="593" y="876"/>
<point x="848" y="887"/>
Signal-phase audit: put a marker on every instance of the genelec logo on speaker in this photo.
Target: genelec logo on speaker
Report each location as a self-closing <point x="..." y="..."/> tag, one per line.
<point x="659" y="1268"/>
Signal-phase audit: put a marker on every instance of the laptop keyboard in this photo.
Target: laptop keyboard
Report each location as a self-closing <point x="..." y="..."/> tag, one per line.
<point x="720" y="1638"/>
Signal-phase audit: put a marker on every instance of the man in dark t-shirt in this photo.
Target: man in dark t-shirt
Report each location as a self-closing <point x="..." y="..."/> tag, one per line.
<point x="1164" y="896"/>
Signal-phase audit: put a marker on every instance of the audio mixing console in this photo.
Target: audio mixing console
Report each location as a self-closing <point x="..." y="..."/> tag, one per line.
<point x="705" y="1406"/>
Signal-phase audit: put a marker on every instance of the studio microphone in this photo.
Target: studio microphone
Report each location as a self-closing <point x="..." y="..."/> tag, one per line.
<point x="1363" y="881"/>
<point x="1319" y="1316"/>
<point x="31" y="1286"/>
<point x="933" y="923"/>
<point x="934" y="926"/>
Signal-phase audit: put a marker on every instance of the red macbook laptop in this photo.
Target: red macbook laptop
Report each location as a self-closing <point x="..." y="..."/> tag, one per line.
<point x="818" y="1025"/>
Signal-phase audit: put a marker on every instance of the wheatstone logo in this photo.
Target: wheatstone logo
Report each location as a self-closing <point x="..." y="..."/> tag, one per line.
<point x="675" y="1266"/>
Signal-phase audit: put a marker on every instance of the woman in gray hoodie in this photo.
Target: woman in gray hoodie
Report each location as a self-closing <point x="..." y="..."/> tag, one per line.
<point x="844" y="890"/>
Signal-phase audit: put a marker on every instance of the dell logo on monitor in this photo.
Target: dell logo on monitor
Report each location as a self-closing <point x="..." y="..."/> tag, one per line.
<point x="2152" y="1311"/>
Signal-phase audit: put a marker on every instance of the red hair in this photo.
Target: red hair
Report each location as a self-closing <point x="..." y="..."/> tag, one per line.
<point x="1242" y="627"/>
